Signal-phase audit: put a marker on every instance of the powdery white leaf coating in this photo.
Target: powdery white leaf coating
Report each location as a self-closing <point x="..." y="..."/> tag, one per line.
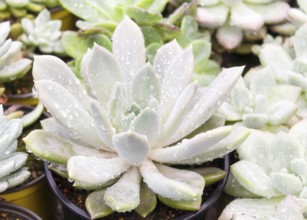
<point x="124" y="195"/>
<point x="93" y="170"/>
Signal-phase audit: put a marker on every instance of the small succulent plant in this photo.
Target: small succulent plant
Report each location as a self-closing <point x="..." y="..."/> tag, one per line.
<point x="234" y="19"/>
<point x="288" y="208"/>
<point x="272" y="165"/>
<point x="12" y="65"/>
<point x="289" y="64"/>
<point x="23" y="8"/>
<point x="259" y="100"/>
<point x="43" y="33"/>
<point x="131" y="122"/>
<point x="12" y="172"/>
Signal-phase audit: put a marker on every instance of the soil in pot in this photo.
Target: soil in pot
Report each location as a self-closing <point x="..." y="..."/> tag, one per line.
<point x="74" y="199"/>
<point x="13" y="212"/>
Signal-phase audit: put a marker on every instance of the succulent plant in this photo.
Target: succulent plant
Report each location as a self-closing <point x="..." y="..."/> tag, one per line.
<point x="131" y="122"/>
<point x="43" y="33"/>
<point x="272" y="165"/>
<point x="22" y="8"/>
<point x="298" y="16"/>
<point x="234" y="19"/>
<point x="12" y="65"/>
<point x="288" y="63"/>
<point x="12" y="172"/>
<point x="259" y="100"/>
<point x="288" y="208"/>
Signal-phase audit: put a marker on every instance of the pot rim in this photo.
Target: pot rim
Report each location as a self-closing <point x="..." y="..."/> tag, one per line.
<point x="188" y="216"/>
<point x="18" y="210"/>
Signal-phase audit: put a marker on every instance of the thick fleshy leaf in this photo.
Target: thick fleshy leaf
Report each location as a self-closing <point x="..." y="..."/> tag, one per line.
<point x="96" y="206"/>
<point x="212" y="17"/>
<point x="299" y="133"/>
<point x="93" y="170"/>
<point x="178" y="112"/>
<point x="103" y="125"/>
<point x="148" y="201"/>
<point x="192" y="205"/>
<point x="229" y="36"/>
<point x="68" y="111"/>
<point x="220" y="149"/>
<point x="56" y="149"/>
<point x="210" y="174"/>
<point x="281" y="112"/>
<point x="277" y="58"/>
<point x="256" y="208"/>
<point x="299" y="42"/>
<point x="5" y="47"/>
<point x="48" y="67"/>
<point x="12" y="131"/>
<point x="255" y="121"/>
<point x="190" y="148"/>
<point x="275" y="12"/>
<point x="3" y="186"/>
<point x="163" y="57"/>
<point x="131" y="146"/>
<point x="128" y="48"/>
<point x="299" y="167"/>
<point x="145" y="86"/>
<point x="11" y="53"/>
<point x="42" y="18"/>
<point x="15" y="70"/>
<point x="172" y="183"/>
<point x="235" y="189"/>
<point x="284" y="149"/>
<point x="16" y="178"/>
<point x="262" y="83"/>
<point x="148" y="124"/>
<point x="100" y="71"/>
<point x="143" y="17"/>
<point x="118" y="107"/>
<point x="297" y="17"/>
<point x="252" y="177"/>
<point x="32" y="116"/>
<point x="174" y="82"/>
<point x="286" y="183"/>
<point x="124" y="195"/>
<point x="92" y="11"/>
<point x="12" y="163"/>
<point x="245" y="18"/>
<point x="212" y="97"/>
<point x="290" y="209"/>
<point x="4" y="31"/>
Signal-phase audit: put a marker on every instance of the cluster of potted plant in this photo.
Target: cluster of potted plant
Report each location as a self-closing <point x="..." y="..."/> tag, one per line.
<point x="141" y="114"/>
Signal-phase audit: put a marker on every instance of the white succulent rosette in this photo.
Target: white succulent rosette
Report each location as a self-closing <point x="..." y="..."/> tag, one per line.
<point x="235" y="18"/>
<point x="43" y="33"/>
<point x="258" y="100"/>
<point x="289" y="63"/>
<point x="283" y="208"/>
<point x="12" y="65"/>
<point x="12" y="172"/>
<point x="271" y="164"/>
<point x="129" y="122"/>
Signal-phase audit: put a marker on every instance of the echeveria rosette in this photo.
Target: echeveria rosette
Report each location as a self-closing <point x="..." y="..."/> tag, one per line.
<point x="288" y="208"/>
<point x="12" y="65"/>
<point x="12" y="172"/>
<point x="258" y="100"/>
<point x="272" y="166"/>
<point x="289" y="63"/>
<point x="129" y="124"/>
<point x="233" y="18"/>
<point x="43" y="33"/>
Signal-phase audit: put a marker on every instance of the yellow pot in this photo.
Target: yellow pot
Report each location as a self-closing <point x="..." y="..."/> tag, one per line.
<point x="68" y="19"/>
<point x="35" y="196"/>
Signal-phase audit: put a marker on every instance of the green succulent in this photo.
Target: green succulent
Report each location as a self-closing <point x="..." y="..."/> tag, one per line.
<point x="12" y="65"/>
<point x="43" y="33"/>
<point x="22" y="8"/>
<point x="120" y="135"/>
<point x="12" y="172"/>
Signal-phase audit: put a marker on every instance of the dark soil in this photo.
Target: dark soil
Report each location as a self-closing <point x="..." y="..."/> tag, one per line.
<point x="9" y="216"/>
<point x="19" y="86"/>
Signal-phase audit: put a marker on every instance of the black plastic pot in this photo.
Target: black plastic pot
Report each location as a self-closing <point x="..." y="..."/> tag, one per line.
<point x="11" y="211"/>
<point x="73" y="212"/>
